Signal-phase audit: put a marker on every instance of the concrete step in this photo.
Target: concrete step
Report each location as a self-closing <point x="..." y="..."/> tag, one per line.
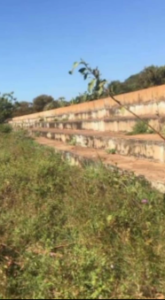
<point x="116" y="124"/>
<point x="154" y="108"/>
<point x="110" y="109"/>
<point x="151" y="171"/>
<point x="147" y="146"/>
<point x="151" y="109"/>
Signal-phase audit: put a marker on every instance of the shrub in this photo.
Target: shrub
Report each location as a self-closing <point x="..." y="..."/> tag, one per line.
<point x="73" y="141"/>
<point x="5" y="128"/>
<point x="140" y="128"/>
<point x="111" y="151"/>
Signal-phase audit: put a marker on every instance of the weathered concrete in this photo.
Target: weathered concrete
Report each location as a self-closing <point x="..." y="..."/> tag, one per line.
<point x="147" y="146"/>
<point x="145" y="102"/>
<point x="153" y="172"/>
<point x="90" y="130"/>
<point x="115" y="124"/>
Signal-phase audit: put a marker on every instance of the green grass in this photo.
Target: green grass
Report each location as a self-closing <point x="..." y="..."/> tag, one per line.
<point x="5" y="128"/>
<point x="73" y="233"/>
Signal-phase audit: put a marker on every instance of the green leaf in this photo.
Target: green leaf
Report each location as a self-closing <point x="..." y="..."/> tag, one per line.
<point x="75" y="65"/>
<point x="85" y="76"/>
<point x="100" y="91"/>
<point x="70" y="72"/>
<point x="102" y="83"/>
<point x="91" y="85"/>
<point x="96" y="73"/>
<point x="82" y="70"/>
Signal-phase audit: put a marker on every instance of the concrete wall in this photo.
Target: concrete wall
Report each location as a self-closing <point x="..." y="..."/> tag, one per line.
<point x="115" y="125"/>
<point x="103" y="107"/>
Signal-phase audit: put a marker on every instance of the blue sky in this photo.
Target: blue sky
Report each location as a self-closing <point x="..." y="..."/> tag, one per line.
<point x="40" y="39"/>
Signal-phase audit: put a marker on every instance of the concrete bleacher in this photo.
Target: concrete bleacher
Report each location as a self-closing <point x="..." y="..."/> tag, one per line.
<point x="101" y="127"/>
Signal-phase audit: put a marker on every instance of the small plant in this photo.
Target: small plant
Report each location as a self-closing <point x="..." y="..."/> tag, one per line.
<point x="150" y="131"/>
<point x="37" y="134"/>
<point x="5" y="128"/>
<point x="140" y="128"/>
<point x="73" y="141"/>
<point x="111" y="151"/>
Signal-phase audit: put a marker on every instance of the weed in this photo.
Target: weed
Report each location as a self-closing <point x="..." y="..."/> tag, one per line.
<point x="111" y="151"/>
<point x="76" y="233"/>
<point x="150" y="131"/>
<point x="140" y="128"/>
<point x="73" y="141"/>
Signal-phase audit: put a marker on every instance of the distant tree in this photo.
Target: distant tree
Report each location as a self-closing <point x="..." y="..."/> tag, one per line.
<point x="22" y="108"/>
<point x="66" y="103"/>
<point x="150" y="76"/>
<point x="40" y="102"/>
<point x="72" y="101"/>
<point x="61" y="101"/>
<point x="52" y="105"/>
<point x="161" y="72"/>
<point x="6" y="106"/>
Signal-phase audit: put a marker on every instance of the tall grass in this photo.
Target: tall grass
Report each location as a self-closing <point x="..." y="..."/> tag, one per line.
<point x="74" y="233"/>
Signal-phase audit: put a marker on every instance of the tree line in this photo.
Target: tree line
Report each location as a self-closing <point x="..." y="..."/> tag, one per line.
<point x="148" y="77"/>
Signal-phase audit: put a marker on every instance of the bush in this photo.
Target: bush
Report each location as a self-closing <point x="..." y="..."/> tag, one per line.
<point x="111" y="151"/>
<point x="5" y="128"/>
<point x="140" y="128"/>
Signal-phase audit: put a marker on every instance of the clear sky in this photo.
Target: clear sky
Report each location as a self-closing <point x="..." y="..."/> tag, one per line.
<point x="40" y="39"/>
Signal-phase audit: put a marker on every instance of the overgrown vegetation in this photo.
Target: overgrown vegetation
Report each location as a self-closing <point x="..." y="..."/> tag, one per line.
<point x="5" y="128"/>
<point x="74" y="233"/>
<point x="7" y="106"/>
